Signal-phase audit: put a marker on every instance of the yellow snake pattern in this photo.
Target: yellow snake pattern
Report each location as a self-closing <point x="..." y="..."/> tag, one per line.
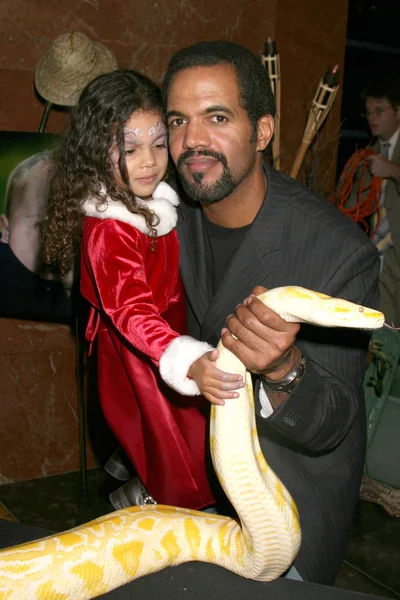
<point x="261" y="544"/>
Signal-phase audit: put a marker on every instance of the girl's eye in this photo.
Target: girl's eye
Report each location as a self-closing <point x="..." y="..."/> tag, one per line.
<point x="130" y="151"/>
<point x="161" y="145"/>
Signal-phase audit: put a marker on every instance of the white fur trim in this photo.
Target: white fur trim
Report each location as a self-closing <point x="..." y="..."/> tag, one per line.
<point x="163" y="190"/>
<point x="163" y="204"/>
<point x="176" y="361"/>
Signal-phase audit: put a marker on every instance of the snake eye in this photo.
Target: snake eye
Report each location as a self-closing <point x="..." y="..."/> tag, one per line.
<point x="360" y="309"/>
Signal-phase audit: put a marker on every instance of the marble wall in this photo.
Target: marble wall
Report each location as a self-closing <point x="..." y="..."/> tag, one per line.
<point x="144" y="33"/>
<point x="39" y="407"/>
<point x="311" y="38"/>
<point x="38" y="410"/>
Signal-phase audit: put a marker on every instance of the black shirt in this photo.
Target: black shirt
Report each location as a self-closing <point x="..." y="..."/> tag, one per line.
<point x="221" y="244"/>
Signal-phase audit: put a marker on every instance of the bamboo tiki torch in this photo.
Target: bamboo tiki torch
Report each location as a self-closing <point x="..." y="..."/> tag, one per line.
<point x="321" y="105"/>
<point x="272" y="62"/>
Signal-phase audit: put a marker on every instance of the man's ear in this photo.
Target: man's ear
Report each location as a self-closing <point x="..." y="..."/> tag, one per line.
<point x="4" y="229"/>
<point x="265" y="131"/>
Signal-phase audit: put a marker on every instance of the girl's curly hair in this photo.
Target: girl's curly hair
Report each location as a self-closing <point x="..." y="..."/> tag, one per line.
<point x="82" y="165"/>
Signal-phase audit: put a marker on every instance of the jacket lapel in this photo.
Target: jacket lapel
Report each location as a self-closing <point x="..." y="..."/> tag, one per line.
<point x="392" y="191"/>
<point x="396" y="152"/>
<point x="250" y="266"/>
<point x="193" y="265"/>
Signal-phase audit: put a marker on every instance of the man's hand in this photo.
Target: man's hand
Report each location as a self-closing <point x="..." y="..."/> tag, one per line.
<point x="380" y="166"/>
<point x="265" y="342"/>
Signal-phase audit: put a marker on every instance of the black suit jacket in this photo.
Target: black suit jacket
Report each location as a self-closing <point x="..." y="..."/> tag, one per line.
<point x="315" y="441"/>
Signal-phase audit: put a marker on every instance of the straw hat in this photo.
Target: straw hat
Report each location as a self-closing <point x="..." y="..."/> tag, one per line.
<point x="71" y="62"/>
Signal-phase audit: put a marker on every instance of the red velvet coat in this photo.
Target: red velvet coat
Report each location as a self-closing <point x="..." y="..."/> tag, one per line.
<point x="138" y="308"/>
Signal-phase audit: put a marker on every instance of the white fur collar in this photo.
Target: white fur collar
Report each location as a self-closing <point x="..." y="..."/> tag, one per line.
<point x="163" y="204"/>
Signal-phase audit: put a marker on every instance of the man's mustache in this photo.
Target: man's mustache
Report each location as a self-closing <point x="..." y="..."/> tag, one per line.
<point x="191" y="153"/>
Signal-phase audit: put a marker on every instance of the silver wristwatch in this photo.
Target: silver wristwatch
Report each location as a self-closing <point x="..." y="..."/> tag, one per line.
<point x="288" y="383"/>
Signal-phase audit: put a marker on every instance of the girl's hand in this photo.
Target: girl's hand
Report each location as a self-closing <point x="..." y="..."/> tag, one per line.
<point x="215" y="385"/>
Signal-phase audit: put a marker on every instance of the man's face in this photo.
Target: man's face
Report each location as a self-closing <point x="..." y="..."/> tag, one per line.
<point x="209" y="132"/>
<point x="383" y="119"/>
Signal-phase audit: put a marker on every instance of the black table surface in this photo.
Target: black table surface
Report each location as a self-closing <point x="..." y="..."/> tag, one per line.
<point x="196" y="581"/>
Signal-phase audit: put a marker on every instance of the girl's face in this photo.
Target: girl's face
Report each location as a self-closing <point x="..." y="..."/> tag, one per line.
<point x="146" y="153"/>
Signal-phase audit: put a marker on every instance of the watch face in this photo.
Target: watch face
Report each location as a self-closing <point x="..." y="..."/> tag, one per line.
<point x="288" y="383"/>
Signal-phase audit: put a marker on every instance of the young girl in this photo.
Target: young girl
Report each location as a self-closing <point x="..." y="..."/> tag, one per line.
<point x="108" y="192"/>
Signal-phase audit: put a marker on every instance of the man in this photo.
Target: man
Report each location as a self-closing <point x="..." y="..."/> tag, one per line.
<point x="248" y="226"/>
<point x="28" y="289"/>
<point x="382" y="110"/>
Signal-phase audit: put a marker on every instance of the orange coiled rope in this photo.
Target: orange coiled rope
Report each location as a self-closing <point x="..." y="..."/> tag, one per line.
<point x="367" y="194"/>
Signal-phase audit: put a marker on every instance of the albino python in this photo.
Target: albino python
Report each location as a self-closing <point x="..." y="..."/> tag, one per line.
<point x="96" y="557"/>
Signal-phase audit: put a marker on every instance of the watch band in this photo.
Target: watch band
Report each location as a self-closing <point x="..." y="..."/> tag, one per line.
<point x="288" y="383"/>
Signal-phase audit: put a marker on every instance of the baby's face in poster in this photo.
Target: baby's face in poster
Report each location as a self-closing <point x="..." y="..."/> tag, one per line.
<point x="27" y="203"/>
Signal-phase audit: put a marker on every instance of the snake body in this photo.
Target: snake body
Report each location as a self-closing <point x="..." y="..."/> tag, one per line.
<point x="261" y="544"/>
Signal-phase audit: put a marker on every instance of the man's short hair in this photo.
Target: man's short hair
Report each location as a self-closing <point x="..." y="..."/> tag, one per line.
<point x="386" y="87"/>
<point x="256" y="95"/>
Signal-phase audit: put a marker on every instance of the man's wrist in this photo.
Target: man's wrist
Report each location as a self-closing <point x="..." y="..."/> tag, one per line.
<point x="286" y="364"/>
<point x="287" y="383"/>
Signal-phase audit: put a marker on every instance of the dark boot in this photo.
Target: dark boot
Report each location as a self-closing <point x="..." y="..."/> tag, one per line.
<point x="117" y="466"/>
<point x="132" y="493"/>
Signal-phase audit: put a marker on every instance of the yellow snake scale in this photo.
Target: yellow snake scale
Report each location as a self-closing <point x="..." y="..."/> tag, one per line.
<point x="99" y="556"/>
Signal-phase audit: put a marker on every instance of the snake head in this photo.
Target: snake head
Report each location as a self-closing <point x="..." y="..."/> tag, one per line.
<point x="343" y="313"/>
<point x="301" y="305"/>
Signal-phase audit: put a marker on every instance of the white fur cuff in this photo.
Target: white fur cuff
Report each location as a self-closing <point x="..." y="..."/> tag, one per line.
<point x="176" y="361"/>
